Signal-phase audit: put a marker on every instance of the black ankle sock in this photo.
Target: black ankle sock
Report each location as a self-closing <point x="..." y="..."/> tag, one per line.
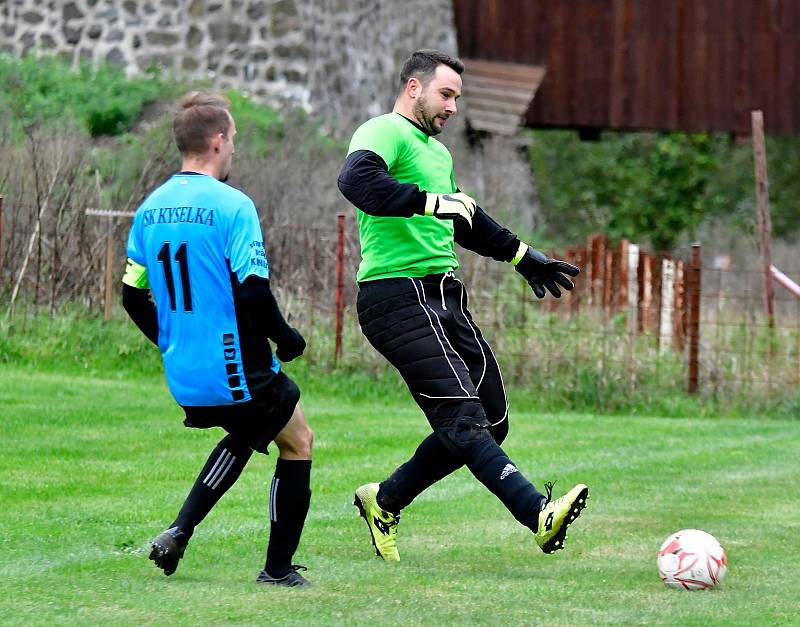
<point x="289" y="498"/>
<point x="492" y="467"/>
<point x="221" y="471"/>
<point x="431" y="462"/>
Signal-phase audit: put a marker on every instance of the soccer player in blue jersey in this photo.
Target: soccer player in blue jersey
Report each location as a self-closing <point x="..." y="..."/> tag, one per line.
<point x="196" y="247"/>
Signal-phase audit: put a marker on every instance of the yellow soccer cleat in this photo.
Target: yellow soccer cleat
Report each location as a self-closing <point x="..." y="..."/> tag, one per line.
<point x="557" y="515"/>
<point x="382" y="524"/>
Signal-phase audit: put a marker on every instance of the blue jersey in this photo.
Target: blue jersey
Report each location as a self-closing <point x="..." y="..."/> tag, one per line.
<point x="198" y="238"/>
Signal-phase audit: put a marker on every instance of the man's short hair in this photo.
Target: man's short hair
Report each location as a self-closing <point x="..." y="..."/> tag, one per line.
<point x="199" y="117"/>
<point x="422" y="65"/>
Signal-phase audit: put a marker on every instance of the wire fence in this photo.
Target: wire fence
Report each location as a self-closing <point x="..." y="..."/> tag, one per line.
<point x="628" y="328"/>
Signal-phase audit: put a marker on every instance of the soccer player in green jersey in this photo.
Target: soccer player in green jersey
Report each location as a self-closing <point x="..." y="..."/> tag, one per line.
<point x="413" y="308"/>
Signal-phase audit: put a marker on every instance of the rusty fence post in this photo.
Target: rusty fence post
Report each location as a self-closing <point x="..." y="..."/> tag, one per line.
<point x="609" y="279"/>
<point x="679" y="319"/>
<point x="340" y="224"/>
<point x="108" y="287"/>
<point x="694" y="318"/>
<point x="623" y="269"/>
<point x="597" y="257"/>
<point x="656" y="268"/>
<point x="645" y="275"/>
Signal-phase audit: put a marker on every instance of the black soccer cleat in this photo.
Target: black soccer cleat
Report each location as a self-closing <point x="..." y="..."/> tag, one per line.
<point x="168" y="549"/>
<point x="292" y="579"/>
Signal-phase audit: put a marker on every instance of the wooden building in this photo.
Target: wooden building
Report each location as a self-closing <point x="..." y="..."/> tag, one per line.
<point x="691" y="65"/>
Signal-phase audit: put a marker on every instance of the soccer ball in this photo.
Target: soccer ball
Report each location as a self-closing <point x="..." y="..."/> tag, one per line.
<point x="692" y="560"/>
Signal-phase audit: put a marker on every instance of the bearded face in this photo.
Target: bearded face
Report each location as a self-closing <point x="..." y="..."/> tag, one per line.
<point x="436" y="101"/>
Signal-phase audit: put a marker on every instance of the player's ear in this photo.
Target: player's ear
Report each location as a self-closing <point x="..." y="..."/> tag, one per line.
<point x="216" y="142"/>
<point x="413" y="87"/>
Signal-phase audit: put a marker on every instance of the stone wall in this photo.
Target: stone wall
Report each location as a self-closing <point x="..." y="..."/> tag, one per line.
<point x="336" y="58"/>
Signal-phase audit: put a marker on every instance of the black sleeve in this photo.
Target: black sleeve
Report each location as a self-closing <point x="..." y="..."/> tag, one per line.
<point x="487" y="237"/>
<point x="258" y="303"/>
<point x="365" y="181"/>
<point x="141" y="310"/>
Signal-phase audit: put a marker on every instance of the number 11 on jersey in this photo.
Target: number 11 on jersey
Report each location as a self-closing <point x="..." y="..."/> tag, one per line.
<point x="181" y="256"/>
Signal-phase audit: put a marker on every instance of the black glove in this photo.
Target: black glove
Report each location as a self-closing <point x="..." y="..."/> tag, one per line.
<point x="542" y="272"/>
<point x="291" y="346"/>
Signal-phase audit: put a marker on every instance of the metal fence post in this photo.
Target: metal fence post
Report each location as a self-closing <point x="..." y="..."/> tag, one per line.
<point x="108" y="287"/>
<point x="694" y="318"/>
<point x="340" y="224"/>
<point x="623" y="268"/>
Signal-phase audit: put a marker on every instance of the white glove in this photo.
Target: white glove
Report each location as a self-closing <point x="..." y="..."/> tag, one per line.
<point x="455" y="206"/>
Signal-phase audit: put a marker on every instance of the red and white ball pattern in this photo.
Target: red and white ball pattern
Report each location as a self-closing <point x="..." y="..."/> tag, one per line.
<point x="692" y="560"/>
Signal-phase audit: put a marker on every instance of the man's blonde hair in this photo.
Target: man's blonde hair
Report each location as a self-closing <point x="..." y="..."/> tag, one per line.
<point x="200" y="116"/>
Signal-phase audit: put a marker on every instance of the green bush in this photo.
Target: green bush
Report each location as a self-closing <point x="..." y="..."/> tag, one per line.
<point x="660" y="187"/>
<point x="254" y="123"/>
<point x="106" y="102"/>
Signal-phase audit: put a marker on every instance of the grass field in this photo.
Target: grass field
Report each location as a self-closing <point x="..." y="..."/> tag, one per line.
<point x="93" y="468"/>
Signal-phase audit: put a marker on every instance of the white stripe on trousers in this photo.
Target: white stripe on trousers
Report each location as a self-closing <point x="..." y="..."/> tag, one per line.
<point x="485" y="364"/>
<point x="436" y="335"/>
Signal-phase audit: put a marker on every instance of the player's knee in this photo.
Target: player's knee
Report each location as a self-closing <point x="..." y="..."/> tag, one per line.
<point x="467" y="430"/>
<point x="298" y="445"/>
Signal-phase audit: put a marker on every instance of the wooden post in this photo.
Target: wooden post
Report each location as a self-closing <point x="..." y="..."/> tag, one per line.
<point x="764" y="222"/>
<point x="633" y="287"/>
<point x="645" y="273"/>
<point x="609" y="275"/>
<point x="597" y="257"/>
<point x="694" y="318"/>
<point x="678" y="320"/>
<point x="623" y="269"/>
<point x="666" y="311"/>
<point x="340" y="224"/>
<point x="655" y="309"/>
<point x="109" y="278"/>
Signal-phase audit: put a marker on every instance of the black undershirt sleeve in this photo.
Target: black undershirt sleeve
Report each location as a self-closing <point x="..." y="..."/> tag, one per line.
<point x="487" y="237"/>
<point x="254" y="295"/>
<point x="258" y="302"/>
<point x="141" y="310"/>
<point x="365" y="181"/>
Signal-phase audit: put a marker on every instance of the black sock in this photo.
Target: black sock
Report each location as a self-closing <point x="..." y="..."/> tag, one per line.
<point x="431" y="462"/>
<point x="289" y="498"/>
<point x="492" y="467"/>
<point x="221" y="471"/>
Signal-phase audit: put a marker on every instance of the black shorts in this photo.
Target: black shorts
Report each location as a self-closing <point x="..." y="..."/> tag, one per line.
<point x="424" y="328"/>
<point x="257" y="421"/>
